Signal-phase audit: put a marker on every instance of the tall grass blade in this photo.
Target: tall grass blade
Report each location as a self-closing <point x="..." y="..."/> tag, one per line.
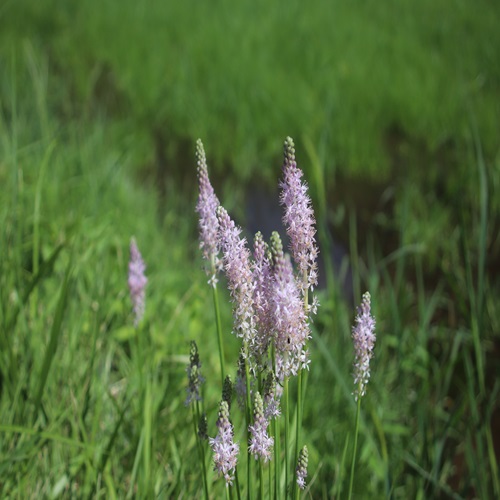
<point x="55" y="332"/>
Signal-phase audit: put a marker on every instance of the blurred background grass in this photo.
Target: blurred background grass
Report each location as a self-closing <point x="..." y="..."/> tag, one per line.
<point x="395" y="112"/>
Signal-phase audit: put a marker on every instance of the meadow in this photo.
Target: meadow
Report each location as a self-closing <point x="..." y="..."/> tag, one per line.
<point x="395" y="112"/>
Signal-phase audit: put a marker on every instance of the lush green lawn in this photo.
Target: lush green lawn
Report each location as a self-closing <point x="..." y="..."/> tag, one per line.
<point x="395" y="109"/>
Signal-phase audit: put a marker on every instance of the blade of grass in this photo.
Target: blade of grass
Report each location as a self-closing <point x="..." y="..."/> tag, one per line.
<point x="36" y="218"/>
<point x="54" y="338"/>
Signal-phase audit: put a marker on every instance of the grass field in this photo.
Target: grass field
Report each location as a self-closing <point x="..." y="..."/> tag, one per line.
<point x="395" y="112"/>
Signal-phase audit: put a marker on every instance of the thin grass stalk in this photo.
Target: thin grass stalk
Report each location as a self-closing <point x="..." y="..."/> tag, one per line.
<point x="476" y="453"/>
<point x="287" y="444"/>
<point x="248" y="419"/>
<point x="277" y="459"/>
<point x="481" y="265"/>
<point x="491" y="449"/>
<point x="298" y="429"/>
<point x="148" y="422"/>
<point x="36" y="221"/>
<point x="261" y="479"/>
<point x="55" y="332"/>
<point x="270" y="478"/>
<point x="219" y="333"/>
<point x="199" y="444"/>
<point x="237" y="484"/>
<point x="356" y="431"/>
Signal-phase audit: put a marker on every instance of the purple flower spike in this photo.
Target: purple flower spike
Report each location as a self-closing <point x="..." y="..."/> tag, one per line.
<point x="262" y="278"/>
<point x="239" y="276"/>
<point x="301" y="469"/>
<point x="299" y="219"/>
<point x="206" y="207"/>
<point x="224" y="448"/>
<point x="363" y="335"/>
<point x="289" y="318"/>
<point x="261" y="443"/>
<point x="137" y="282"/>
<point x="195" y="378"/>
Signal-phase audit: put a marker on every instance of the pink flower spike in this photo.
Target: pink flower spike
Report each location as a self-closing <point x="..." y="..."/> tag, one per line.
<point x="239" y="276"/>
<point x="299" y="219"/>
<point x="363" y="335"/>
<point x="223" y="446"/>
<point x="261" y="444"/>
<point x="208" y="224"/>
<point x="137" y="282"/>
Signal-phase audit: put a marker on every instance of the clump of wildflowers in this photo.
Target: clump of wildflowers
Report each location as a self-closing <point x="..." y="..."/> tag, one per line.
<point x="223" y="446"/>
<point x="195" y="378"/>
<point x="208" y="224"/>
<point x="137" y="282"/>
<point x="363" y="335"/>
<point x="299" y="219"/>
<point x="301" y="469"/>
<point x="261" y="443"/>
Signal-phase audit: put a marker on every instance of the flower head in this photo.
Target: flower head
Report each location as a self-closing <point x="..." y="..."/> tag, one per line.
<point x="289" y="317"/>
<point x="240" y="385"/>
<point x="206" y="207"/>
<point x="301" y="469"/>
<point x="137" y="282"/>
<point x="299" y="219"/>
<point x="224" y="448"/>
<point x="261" y="276"/>
<point x="363" y="335"/>
<point x="203" y="427"/>
<point x="195" y="378"/>
<point x="227" y="391"/>
<point x="239" y="276"/>
<point x="260" y="442"/>
<point x="271" y="400"/>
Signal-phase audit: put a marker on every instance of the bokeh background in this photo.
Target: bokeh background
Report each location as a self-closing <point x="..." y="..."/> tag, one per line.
<point x="395" y="112"/>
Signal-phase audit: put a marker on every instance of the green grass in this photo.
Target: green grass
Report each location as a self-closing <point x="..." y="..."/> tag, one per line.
<point x="395" y="110"/>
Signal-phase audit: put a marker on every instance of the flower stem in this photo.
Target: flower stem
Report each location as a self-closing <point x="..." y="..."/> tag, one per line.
<point x="286" y="433"/>
<point x="298" y="429"/>
<point x="219" y="333"/>
<point x="356" y="430"/>
<point x="248" y="414"/>
<point x="261" y="478"/>
<point x="196" y="418"/>
<point x="237" y="484"/>
<point x="277" y="459"/>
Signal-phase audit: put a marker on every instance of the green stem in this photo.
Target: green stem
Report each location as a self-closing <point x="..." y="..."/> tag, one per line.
<point x="270" y="478"/>
<point x="358" y="411"/>
<point x="237" y="483"/>
<point x="201" y="451"/>
<point x="287" y="444"/>
<point x="219" y="334"/>
<point x="261" y="479"/>
<point x="248" y="414"/>
<point x="298" y="429"/>
<point x="277" y="459"/>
